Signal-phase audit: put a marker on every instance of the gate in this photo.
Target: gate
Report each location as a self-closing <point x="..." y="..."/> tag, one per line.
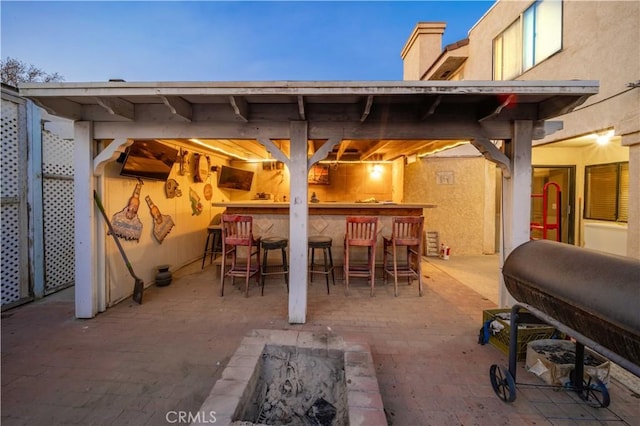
<point x="37" y="205"/>
<point x="58" y="214"/>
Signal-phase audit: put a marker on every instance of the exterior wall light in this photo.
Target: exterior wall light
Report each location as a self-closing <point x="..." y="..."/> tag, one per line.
<point x="603" y="138"/>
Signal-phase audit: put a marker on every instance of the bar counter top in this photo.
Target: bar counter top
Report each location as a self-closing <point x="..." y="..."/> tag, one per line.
<point x="326" y="208"/>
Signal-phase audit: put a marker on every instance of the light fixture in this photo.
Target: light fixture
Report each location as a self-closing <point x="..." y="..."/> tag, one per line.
<point x="603" y="138"/>
<point x="376" y="171"/>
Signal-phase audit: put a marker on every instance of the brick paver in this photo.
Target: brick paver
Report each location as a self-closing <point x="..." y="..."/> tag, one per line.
<point x="143" y="364"/>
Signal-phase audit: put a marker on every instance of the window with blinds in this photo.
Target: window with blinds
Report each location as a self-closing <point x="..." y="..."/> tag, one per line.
<point x="606" y="192"/>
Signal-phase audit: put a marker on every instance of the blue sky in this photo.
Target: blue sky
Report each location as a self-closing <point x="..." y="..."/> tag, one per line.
<point x="223" y="41"/>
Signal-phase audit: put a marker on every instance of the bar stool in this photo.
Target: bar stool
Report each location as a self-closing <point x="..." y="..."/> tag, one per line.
<point x="274" y="243"/>
<point x="214" y="233"/>
<point x="237" y="232"/>
<point x="406" y="231"/>
<point x="323" y="243"/>
<point x="362" y="231"/>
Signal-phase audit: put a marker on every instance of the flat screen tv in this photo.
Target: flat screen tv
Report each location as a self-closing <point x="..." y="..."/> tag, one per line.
<point x="232" y="178"/>
<point x="149" y="159"/>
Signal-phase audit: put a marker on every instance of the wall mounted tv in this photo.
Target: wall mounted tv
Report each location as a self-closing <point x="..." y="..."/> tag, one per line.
<point x="232" y="178"/>
<point x="149" y="159"/>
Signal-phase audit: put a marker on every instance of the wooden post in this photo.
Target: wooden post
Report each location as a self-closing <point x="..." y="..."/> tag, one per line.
<point x="516" y="199"/>
<point x="86" y="287"/>
<point x="298" y="223"/>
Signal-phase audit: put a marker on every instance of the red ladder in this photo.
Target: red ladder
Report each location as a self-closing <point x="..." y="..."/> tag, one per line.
<point x="546" y="226"/>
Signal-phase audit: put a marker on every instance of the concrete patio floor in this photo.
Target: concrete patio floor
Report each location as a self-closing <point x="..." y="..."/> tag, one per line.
<point x="144" y="364"/>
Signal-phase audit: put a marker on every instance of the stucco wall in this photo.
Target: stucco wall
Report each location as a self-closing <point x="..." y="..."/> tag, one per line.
<point x="464" y="216"/>
<point x="600" y="42"/>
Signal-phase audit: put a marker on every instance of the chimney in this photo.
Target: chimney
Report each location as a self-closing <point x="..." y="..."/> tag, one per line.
<point x="422" y="49"/>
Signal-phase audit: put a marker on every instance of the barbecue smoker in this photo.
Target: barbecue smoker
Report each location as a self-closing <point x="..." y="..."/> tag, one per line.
<point x="591" y="296"/>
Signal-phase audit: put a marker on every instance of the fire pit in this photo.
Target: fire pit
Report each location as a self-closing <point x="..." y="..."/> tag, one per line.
<point x="281" y="377"/>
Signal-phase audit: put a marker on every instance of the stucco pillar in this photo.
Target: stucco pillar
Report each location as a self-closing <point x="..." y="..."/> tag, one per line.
<point x="516" y="199"/>
<point x="86" y="287"/>
<point x="298" y="223"/>
<point x="633" y="224"/>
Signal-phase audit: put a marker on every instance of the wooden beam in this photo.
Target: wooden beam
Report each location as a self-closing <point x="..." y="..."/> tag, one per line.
<point x="406" y="148"/>
<point x="367" y="108"/>
<point x="251" y="146"/>
<point x="342" y="148"/>
<point x="301" y="111"/>
<point x="240" y="107"/>
<point x="117" y="107"/>
<point x="275" y="150"/>
<point x="554" y="107"/>
<point x="450" y="128"/>
<point x="109" y="154"/>
<point x="431" y="108"/>
<point x="323" y="151"/>
<point x="376" y="147"/>
<point x="493" y="154"/>
<point x="508" y="101"/>
<point x="178" y="107"/>
<point x="60" y="107"/>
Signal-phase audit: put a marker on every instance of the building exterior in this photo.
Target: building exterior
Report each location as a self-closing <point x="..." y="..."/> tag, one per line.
<point x="549" y="40"/>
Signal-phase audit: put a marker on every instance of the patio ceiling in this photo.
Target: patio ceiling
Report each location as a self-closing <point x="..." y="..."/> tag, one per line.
<point x="375" y="120"/>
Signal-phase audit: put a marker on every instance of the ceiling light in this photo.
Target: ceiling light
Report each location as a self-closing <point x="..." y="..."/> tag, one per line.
<point x="376" y="171"/>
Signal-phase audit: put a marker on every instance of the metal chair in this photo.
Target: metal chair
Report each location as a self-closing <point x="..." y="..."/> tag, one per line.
<point x="362" y="231"/>
<point x="237" y="231"/>
<point x="406" y="232"/>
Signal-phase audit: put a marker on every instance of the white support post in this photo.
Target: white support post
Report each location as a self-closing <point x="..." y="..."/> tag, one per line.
<point x="86" y="288"/>
<point x="298" y="223"/>
<point x="516" y="199"/>
<point x="36" y="212"/>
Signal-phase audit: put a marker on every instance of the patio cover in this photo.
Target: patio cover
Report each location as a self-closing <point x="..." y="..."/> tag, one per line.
<point x="299" y="111"/>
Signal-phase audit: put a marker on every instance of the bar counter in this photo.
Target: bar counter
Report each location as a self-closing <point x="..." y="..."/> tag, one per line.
<point x="327" y="208"/>
<point x="325" y="218"/>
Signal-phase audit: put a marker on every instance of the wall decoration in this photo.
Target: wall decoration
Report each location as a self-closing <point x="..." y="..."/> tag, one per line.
<point x="183" y="162"/>
<point x="162" y="224"/>
<point x="207" y="192"/>
<point x="171" y="189"/>
<point x="444" y="178"/>
<point x="196" y="205"/>
<point x="126" y="223"/>
<point x="202" y="167"/>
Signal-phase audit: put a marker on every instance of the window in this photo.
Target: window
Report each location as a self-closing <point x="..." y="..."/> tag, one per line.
<point x="606" y="192"/>
<point x="532" y="38"/>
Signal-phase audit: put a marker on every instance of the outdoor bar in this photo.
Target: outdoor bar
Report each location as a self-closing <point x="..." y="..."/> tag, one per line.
<point x="326" y="219"/>
<point x="299" y="131"/>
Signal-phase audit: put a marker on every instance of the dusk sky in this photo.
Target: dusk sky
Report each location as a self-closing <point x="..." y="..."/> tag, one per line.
<point x="223" y="41"/>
